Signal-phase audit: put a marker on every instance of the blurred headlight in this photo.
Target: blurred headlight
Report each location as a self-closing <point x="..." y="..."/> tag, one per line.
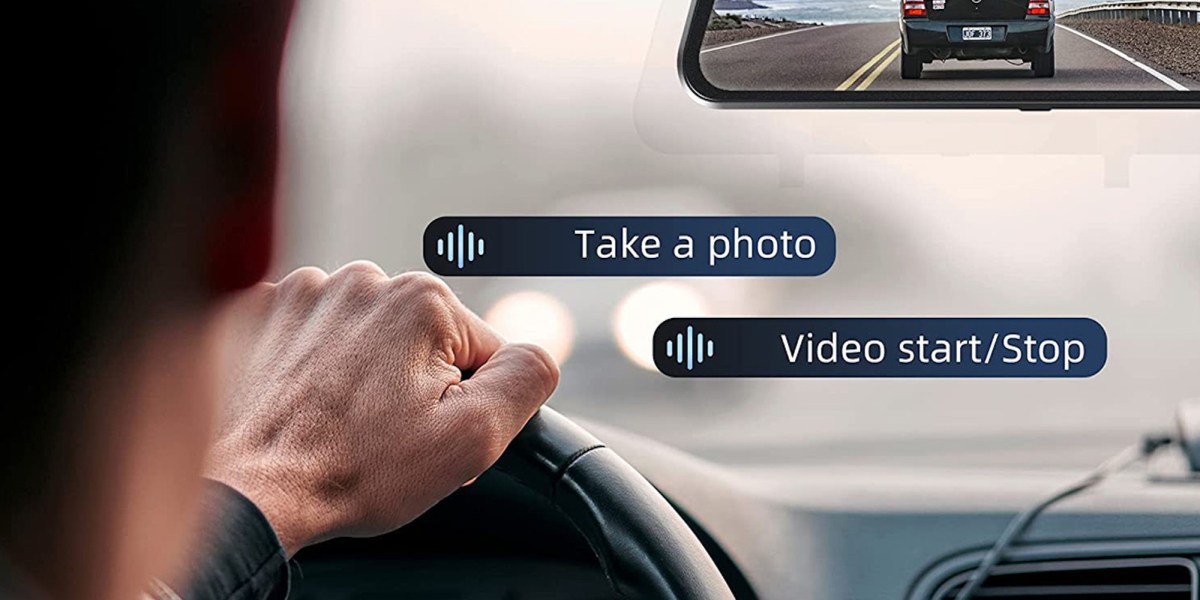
<point x="643" y="309"/>
<point x="535" y="318"/>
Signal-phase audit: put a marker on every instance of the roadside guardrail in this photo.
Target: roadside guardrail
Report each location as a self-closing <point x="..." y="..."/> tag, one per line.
<point x="1175" y="13"/>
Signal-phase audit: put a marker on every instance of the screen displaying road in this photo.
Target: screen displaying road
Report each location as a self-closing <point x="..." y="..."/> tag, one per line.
<point x="952" y="45"/>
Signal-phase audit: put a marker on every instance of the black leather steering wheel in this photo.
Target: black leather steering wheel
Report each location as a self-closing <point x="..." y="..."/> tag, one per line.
<point x="644" y="546"/>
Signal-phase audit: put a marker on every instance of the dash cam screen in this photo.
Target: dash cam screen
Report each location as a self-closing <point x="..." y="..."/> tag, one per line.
<point x="855" y="46"/>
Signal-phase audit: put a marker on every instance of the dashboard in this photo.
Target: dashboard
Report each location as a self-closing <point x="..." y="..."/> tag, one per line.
<point x="791" y="531"/>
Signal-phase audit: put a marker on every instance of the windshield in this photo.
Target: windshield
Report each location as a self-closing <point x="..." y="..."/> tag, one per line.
<point x="398" y="113"/>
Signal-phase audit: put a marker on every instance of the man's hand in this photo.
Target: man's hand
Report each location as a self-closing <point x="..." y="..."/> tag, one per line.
<point x="347" y="411"/>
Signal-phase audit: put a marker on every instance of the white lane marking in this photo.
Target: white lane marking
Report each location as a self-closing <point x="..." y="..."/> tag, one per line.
<point x="1175" y="85"/>
<point x="765" y="37"/>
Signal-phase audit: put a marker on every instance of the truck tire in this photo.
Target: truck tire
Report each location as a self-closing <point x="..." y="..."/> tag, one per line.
<point x="1043" y="63"/>
<point x="910" y="66"/>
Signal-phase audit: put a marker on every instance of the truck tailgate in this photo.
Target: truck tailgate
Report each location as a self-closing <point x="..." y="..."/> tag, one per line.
<point x="976" y="10"/>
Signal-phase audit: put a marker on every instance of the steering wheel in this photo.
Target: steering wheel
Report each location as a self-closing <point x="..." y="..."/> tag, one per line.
<point x="645" y="548"/>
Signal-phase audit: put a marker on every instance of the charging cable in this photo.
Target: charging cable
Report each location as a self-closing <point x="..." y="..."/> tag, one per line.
<point x="1020" y="523"/>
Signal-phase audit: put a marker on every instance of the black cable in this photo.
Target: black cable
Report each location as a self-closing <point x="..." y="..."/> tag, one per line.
<point x="1018" y="525"/>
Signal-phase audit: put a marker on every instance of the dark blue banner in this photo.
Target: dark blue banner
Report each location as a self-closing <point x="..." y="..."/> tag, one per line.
<point x="630" y="246"/>
<point x="880" y="347"/>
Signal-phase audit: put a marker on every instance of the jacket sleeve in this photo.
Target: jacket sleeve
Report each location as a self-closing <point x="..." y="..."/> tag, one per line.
<point x="238" y="556"/>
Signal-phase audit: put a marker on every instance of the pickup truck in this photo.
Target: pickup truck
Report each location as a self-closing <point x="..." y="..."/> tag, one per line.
<point x="1014" y="30"/>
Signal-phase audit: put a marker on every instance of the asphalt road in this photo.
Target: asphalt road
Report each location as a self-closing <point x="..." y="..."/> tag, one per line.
<point x="865" y="56"/>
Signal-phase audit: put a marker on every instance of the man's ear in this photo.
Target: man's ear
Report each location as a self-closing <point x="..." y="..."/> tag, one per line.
<point x="246" y="113"/>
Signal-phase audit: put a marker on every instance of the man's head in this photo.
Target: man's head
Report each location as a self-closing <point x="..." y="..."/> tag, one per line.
<point x="150" y="136"/>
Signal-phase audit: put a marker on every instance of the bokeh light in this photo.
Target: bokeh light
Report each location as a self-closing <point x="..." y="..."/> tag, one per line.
<point x="643" y="309"/>
<point x="535" y="318"/>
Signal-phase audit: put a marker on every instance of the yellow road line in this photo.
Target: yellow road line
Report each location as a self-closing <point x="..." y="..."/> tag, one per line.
<point x="863" y="69"/>
<point x="883" y="65"/>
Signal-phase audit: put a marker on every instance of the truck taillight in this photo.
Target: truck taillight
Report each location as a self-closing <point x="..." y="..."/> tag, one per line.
<point x="1039" y="7"/>
<point x="914" y="8"/>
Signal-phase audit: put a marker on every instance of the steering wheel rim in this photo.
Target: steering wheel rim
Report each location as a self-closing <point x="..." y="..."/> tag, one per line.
<point x="645" y="548"/>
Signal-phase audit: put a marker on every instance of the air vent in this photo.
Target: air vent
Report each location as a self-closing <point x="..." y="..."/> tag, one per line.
<point x="1117" y="579"/>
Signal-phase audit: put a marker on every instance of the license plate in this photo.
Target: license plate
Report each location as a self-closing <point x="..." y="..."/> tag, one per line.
<point x="977" y="34"/>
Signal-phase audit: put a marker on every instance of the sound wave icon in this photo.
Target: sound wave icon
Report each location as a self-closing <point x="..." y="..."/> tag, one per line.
<point x="695" y="351"/>
<point x="460" y="246"/>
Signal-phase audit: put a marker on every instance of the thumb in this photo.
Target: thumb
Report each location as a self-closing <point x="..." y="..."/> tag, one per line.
<point x="505" y="392"/>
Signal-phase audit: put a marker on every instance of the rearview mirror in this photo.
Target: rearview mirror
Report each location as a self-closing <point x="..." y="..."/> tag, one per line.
<point x="1031" y="54"/>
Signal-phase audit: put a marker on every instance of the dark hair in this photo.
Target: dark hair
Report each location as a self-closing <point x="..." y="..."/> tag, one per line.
<point x="95" y="99"/>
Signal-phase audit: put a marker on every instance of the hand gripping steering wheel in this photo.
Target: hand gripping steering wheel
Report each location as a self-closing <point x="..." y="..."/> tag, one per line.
<point x="645" y="548"/>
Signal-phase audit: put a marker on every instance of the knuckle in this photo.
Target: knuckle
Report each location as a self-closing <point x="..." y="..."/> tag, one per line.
<point x="425" y="285"/>
<point x="305" y="281"/>
<point x="543" y="366"/>
<point x="358" y="282"/>
<point x="306" y="274"/>
<point x="431" y="299"/>
<point x="360" y="269"/>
